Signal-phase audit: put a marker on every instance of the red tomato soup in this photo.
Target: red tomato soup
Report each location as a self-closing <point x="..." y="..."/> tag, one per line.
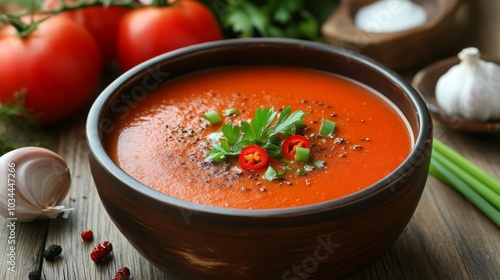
<point x="163" y="142"/>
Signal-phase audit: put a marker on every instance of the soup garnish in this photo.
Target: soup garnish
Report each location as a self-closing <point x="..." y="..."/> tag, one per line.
<point x="264" y="136"/>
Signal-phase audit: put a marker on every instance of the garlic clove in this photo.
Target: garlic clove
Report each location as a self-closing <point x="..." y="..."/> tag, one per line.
<point x="39" y="181"/>
<point x="470" y="89"/>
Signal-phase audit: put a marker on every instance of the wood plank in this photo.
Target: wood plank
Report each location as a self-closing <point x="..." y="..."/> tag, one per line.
<point x="75" y="262"/>
<point x="29" y="243"/>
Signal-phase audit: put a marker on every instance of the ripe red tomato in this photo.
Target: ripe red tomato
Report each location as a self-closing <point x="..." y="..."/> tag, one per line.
<point x="102" y="22"/>
<point x="150" y="31"/>
<point x="58" y="65"/>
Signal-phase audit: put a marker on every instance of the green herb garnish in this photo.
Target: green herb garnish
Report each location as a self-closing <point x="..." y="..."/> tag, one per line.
<point x="302" y="154"/>
<point x="308" y="168"/>
<point x="212" y="117"/>
<point x="225" y="143"/>
<point x="263" y="130"/>
<point x="472" y="182"/>
<point x="271" y="174"/>
<point x="319" y="164"/>
<point x="300" y="172"/>
<point x="273" y="18"/>
<point x="327" y="127"/>
<point x="231" y="112"/>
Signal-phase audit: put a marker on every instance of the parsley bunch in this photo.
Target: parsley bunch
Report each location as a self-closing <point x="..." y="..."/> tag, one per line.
<point x="263" y="130"/>
<point x="272" y="18"/>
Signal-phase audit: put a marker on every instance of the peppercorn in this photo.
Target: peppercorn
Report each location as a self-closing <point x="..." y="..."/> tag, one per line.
<point x="35" y="275"/>
<point x="51" y="253"/>
<point x="122" y="274"/>
<point x="87" y="235"/>
<point x="101" y="251"/>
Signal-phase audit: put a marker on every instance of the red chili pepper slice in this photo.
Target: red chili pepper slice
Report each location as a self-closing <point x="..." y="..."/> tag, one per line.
<point x="253" y="157"/>
<point x="288" y="148"/>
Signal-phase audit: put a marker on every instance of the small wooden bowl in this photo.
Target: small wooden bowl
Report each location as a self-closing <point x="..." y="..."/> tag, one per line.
<point x="437" y="38"/>
<point x="425" y="83"/>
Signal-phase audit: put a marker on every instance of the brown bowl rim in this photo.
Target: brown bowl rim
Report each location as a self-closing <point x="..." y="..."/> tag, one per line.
<point x="422" y="140"/>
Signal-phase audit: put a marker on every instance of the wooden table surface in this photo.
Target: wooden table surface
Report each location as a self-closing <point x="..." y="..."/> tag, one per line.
<point x="447" y="238"/>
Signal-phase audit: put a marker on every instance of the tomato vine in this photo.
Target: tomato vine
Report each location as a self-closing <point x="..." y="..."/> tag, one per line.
<point x="26" y="23"/>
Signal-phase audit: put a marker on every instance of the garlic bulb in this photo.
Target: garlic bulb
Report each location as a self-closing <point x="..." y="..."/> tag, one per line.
<point x="33" y="182"/>
<point x="470" y="89"/>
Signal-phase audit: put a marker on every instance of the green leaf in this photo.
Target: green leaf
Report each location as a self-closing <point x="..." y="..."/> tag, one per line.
<point x="284" y="10"/>
<point x="319" y="164"/>
<point x="216" y="155"/>
<point x="286" y="121"/>
<point x="263" y="118"/>
<point x="225" y="145"/>
<point x="246" y="17"/>
<point x="300" y="172"/>
<point x="273" y="150"/>
<point x="308" y="27"/>
<point x="271" y="174"/>
<point x="308" y="168"/>
<point x="232" y="133"/>
<point x="248" y="131"/>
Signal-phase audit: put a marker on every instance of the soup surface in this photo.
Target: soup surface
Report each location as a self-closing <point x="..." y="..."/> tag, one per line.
<point x="163" y="142"/>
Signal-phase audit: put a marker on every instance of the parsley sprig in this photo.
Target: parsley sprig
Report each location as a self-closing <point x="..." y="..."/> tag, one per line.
<point x="263" y="130"/>
<point x="18" y="126"/>
<point x="272" y="18"/>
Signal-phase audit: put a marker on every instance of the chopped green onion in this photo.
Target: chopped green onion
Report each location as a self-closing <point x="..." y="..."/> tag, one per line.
<point x="475" y="171"/>
<point x="327" y="127"/>
<point x="472" y="182"/>
<point x="468" y="178"/>
<point x="441" y="173"/>
<point x="212" y="117"/>
<point x="302" y="154"/>
<point x="286" y="168"/>
<point x="300" y="172"/>
<point x="231" y="112"/>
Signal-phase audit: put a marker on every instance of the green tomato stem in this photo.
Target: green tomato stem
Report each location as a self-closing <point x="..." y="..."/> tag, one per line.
<point x="26" y="29"/>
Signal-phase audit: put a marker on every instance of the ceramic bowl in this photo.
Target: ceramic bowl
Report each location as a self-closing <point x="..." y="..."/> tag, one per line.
<point x="425" y="83"/>
<point x="440" y="36"/>
<point x="322" y="241"/>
